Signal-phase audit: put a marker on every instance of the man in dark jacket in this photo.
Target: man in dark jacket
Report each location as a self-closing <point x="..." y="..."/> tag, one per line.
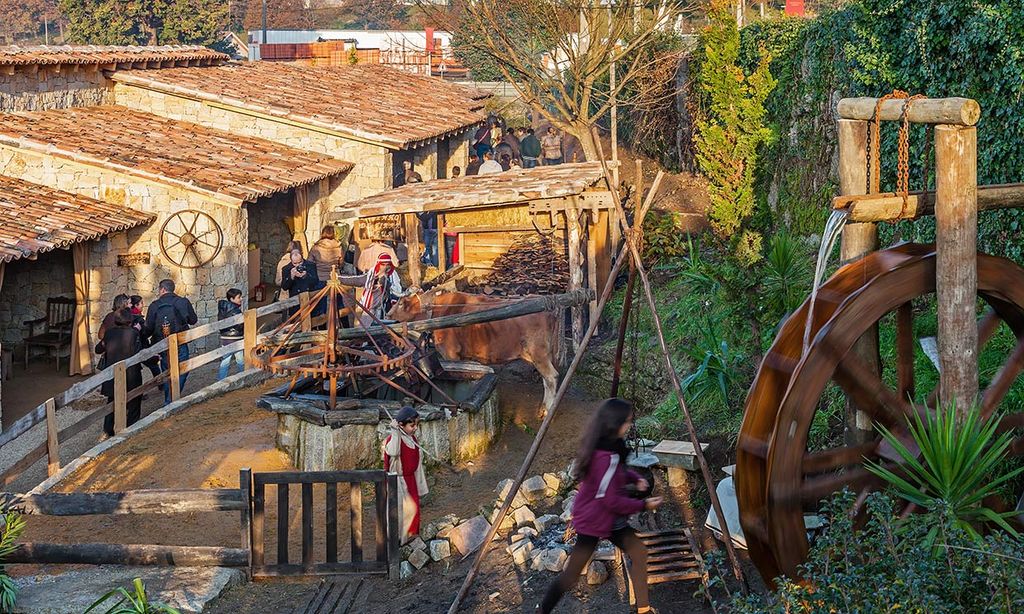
<point x="300" y="276"/>
<point x="169" y="314"/>
<point x="529" y="149"/>
<point x="428" y="221"/>
<point x="226" y="308"/>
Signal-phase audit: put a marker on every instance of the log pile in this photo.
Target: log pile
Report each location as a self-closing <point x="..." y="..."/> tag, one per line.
<point x="532" y="265"/>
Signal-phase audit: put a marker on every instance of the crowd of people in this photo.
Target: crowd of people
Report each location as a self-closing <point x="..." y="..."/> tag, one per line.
<point x="496" y="150"/>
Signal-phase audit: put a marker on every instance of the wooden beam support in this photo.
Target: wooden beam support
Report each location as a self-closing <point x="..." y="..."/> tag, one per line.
<point x="127" y="554"/>
<point x="956" y="268"/>
<point x="120" y="397"/>
<point x="154" y="501"/>
<point x="412" y="240"/>
<point x="249" y="331"/>
<point x="952" y="111"/>
<point x="174" y="367"/>
<point x="575" y="257"/>
<point x="442" y="245"/>
<point x="52" y="442"/>
<point x="882" y="208"/>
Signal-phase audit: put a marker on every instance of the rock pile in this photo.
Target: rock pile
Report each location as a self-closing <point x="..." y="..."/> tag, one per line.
<point x="441" y="539"/>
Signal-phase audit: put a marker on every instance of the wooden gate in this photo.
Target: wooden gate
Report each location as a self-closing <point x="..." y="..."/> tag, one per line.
<point x="386" y="523"/>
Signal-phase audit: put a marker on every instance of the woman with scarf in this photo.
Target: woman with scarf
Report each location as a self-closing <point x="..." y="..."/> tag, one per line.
<point x="402" y="455"/>
<point x="381" y="287"/>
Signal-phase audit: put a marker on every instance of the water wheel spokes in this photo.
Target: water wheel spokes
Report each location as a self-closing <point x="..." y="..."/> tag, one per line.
<point x="779" y="476"/>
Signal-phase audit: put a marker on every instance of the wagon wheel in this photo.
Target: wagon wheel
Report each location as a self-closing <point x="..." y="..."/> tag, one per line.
<point x="777" y="477"/>
<point x="190" y="239"/>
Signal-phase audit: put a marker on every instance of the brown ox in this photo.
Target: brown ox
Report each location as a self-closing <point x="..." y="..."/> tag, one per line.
<point x="533" y="337"/>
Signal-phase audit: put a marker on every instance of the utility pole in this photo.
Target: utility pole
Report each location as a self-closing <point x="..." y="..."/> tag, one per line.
<point x="264" y="24"/>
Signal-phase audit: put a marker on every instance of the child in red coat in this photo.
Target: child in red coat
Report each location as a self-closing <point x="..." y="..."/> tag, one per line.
<point x="402" y="455"/>
<point x="602" y="506"/>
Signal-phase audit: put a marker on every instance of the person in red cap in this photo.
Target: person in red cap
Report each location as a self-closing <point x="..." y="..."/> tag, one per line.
<point x="403" y="455"/>
<point x="381" y="288"/>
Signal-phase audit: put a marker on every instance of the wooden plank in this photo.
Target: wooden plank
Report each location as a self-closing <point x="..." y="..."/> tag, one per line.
<point x="954" y="111"/>
<point x="332" y="522"/>
<point x="52" y="442"/>
<point x="355" y="513"/>
<point x="956" y="266"/>
<point x="249" y="330"/>
<point x="84" y="387"/>
<point x="592" y="268"/>
<point x="174" y="367"/>
<point x="412" y="240"/>
<point x="282" y="523"/>
<point x="442" y="252"/>
<point x="127" y="554"/>
<point x="380" y="521"/>
<point x="394" y="528"/>
<point x="214" y="355"/>
<point x="154" y="501"/>
<point x="23" y="424"/>
<point x="198" y="332"/>
<point x="245" y="491"/>
<point x="319" y="477"/>
<point x="15" y="470"/>
<point x="120" y="397"/>
<point x="990" y="197"/>
<point x="575" y="271"/>
<point x="286" y="304"/>
<point x="307" y="526"/>
<point x="307" y="321"/>
<point x="150" y="384"/>
<point x="326" y="569"/>
<point x="258" y="501"/>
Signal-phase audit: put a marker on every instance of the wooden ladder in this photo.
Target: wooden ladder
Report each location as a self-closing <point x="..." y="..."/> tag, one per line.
<point x="672" y="555"/>
<point x="335" y="597"/>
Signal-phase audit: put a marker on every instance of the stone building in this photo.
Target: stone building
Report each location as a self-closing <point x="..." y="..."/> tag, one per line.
<point x="250" y="154"/>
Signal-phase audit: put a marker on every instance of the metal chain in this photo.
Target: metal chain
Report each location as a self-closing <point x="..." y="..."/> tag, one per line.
<point x="903" y="151"/>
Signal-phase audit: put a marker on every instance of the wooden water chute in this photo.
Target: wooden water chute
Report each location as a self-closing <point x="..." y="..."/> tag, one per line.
<point x="546" y="230"/>
<point x="779" y="477"/>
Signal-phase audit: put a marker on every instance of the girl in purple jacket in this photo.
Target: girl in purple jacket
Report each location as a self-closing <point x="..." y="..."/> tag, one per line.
<point x="602" y="506"/>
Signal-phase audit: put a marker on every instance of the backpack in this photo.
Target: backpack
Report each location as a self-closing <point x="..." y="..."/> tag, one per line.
<point x="169" y="311"/>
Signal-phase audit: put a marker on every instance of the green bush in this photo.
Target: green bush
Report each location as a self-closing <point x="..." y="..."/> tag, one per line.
<point x="133" y="601"/>
<point x="786" y="277"/>
<point x="888" y="566"/>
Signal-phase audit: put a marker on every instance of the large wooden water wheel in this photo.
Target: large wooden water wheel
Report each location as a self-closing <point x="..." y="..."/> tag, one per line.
<point x="778" y="478"/>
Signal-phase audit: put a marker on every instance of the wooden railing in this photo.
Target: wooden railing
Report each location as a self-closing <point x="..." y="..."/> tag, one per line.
<point x="46" y="411"/>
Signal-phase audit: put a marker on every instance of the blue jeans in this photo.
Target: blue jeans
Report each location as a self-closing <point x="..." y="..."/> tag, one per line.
<point x="165" y="365"/>
<point x="530" y="162"/>
<point x="552" y="161"/>
<point x="430" y="245"/>
<point x="225" y="364"/>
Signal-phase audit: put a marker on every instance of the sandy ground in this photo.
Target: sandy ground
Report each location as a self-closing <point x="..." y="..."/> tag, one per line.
<point x="206" y="445"/>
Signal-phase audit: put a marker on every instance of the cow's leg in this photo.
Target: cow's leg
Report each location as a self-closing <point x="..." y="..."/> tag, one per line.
<point x="549" y="374"/>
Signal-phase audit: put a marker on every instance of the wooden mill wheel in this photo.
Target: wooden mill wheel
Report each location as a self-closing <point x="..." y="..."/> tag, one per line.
<point x="190" y="239"/>
<point x="778" y="478"/>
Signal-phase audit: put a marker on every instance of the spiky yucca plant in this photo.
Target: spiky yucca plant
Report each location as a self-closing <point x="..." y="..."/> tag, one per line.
<point x="134" y="601"/>
<point x="959" y="466"/>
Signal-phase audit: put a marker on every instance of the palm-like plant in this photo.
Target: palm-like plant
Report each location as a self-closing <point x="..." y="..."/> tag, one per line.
<point x="717" y="368"/>
<point x="130" y="602"/>
<point x="787" y="274"/>
<point x="958" y="467"/>
<point x="13" y="526"/>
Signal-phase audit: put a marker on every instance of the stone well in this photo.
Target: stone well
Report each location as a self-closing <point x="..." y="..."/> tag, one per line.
<point x="349" y="437"/>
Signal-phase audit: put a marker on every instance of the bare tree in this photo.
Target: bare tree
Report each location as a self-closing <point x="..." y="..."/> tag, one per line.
<point x="557" y="53"/>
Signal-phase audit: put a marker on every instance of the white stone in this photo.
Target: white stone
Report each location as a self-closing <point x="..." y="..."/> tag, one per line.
<point x="597" y="573"/>
<point x="545" y="522"/>
<point x="503" y="491"/>
<point x="553" y="483"/>
<point x="521" y="552"/>
<point x="605" y="551"/>
<point x="405" y="570"/>
<point x="418" y="559"/>
<point x="553" y="559"/>
<point x="534" y="489"/>
<point x="730" y="508"/>
<point x="440" y="549"/>
<point x="527" y="531"/>
<point x="469" y="535"/>
<point x="569" y="500"/>
<point x="523" y="517"/>
<point x="566" y="516"/>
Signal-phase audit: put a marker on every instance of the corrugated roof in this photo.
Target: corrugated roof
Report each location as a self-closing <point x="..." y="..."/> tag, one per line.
<point x="512" y="186"/>
<point x="36" y="219"/>
<point x="189" y="155"/>
<point x="104" y="54"/>
<point x="367" y="101"/>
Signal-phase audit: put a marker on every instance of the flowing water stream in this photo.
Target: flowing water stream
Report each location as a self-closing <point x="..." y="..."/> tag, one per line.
<point x="833" y="228"/>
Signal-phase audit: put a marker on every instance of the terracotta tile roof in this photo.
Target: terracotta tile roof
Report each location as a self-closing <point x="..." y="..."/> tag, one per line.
<point x="366" y="101"/>
<point x="514" y="186"/>
<point x="35" y="219"/>
<point x="103" y="54"/>
<point x="236" y="168"/>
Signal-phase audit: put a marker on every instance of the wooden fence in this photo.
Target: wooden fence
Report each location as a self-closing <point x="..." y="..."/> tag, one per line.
<point x="249" y="501"/>
<point x="50" y="448"/>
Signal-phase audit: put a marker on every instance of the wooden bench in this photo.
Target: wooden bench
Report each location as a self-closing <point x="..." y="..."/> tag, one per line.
<point x="56" y="328"/>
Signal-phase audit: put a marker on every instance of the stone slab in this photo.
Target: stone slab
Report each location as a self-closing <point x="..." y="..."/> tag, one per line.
<point x="680" y="454"/>
<point x="187" y="589"/>
<point x="469" y="535"/>
<point x="730" y="508"/>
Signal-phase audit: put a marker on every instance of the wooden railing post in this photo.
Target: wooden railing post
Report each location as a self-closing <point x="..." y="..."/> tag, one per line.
<point x="394" y="528"/>
<point x="249" y="337"/>
<point x="307" y="320"/>
<point x="52" y="444"/>
<point x="174" y="367"/>
<point x="245" y="486"/>
<point x="120" y="397"/>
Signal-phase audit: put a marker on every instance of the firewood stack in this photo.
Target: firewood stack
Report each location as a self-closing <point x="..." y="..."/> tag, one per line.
<point x="533" y="265"/>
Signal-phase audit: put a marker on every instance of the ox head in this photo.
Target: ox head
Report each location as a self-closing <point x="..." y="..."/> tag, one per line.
<point x="417" y="305"/>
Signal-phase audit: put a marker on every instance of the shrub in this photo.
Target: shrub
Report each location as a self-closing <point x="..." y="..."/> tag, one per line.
<point x="787" y="275"/>
<point x="130" y="602"/>
<point x="13" y="527"/>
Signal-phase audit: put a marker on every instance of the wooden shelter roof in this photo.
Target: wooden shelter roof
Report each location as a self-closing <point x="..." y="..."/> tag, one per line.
<point x="368" y="102"/>
<point x="227" y="167"/>
<point x="36" y="219"/>
<point x="15" y="55"/>
<point x="513" y="186"/>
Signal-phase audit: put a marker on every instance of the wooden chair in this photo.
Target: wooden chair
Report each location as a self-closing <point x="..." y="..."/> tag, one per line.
<point x="56" y="328"/>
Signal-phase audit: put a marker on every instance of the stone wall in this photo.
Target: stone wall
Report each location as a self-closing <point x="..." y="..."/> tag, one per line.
<point x="38" y="90"/>
<point x="267" y="229"/>
<point x="204" y="286"/>
<point x="372" y="172"/>
<point x="26" y="286"/>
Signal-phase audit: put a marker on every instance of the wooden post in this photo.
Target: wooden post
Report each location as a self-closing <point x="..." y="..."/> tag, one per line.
<point x="395" y="528"/>
<point x="52" y="443"/>
<point x="956" y="268"/>
<point x="307" y="320"/>
<point x="572" y="229"/>
<point x="120" y="397"/>
<point x="412" y="241"/>
<point x="442" y="254"/>
<point x="249" y="337"/>
<point x="858" y="240"/>
<point x="174" y="367"/>
<point x="592" y="264"/>
<point x="245" y="486"/>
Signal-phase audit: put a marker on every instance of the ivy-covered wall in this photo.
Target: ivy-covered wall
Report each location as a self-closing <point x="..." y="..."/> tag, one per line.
<point x="939" y="48"/>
